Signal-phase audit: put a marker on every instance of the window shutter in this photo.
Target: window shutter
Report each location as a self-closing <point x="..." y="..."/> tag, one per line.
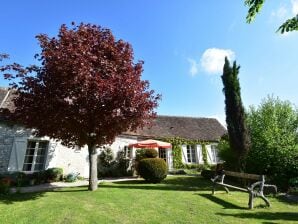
<point x="17" y="155"/>
<point x="199" y="154"/>
<point x="209" y="154"/>
<point x="184" y="154"/>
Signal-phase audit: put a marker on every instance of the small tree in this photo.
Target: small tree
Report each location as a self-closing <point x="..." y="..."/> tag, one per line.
<point x="235" y="115"/>
<point x="86" y="91"/>
<point x="274" y="144"/>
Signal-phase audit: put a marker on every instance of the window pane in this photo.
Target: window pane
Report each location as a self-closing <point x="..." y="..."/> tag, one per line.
<point x="41" y="151"/>
<point x="30" y="152"/>
<point x="38" y="166"/>
<point x="27" y="167"/>
<point x="28" y="159"/>
<point x="31" y="144"/>
<point x="39" y="159"/>
<point x="193" y="155"/>
<point x="42" y="145"/>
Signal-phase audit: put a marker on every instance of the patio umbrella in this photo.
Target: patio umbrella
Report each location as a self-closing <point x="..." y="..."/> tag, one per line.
<point x="150" y="143"/>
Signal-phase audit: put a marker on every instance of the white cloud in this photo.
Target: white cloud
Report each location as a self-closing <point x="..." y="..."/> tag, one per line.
<point x="295" y="7"/>
<point x="212" y="60"/>
<point x="281" y="13"/>
<point x="194" y="67"/>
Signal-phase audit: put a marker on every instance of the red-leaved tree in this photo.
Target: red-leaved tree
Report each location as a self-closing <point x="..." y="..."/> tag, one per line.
<point x="87" y="90"/>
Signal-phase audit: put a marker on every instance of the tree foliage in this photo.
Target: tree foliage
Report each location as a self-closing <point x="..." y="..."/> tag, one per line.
<point x="255" y="7"/>
<point x="274" y="150"/>
<point x="87" y="90"/>
<point x="235" y="114"/>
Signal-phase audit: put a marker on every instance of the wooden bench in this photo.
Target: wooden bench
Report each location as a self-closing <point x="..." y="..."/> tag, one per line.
<point x="254" y="190"/>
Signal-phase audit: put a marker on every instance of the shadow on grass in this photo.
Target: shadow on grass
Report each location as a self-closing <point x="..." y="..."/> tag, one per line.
<point x="20" y="197"/>
<point x="181" y="183"/>
<point x="223" y="203"/>
<point x="287" y="199"/>
<point x="270" y="216"/>
<point x="70" y="189"/>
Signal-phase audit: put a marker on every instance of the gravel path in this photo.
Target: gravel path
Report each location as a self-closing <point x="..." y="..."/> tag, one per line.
<point x="55" y="185"/>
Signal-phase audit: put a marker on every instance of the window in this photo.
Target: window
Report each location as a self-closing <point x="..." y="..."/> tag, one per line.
<point x="214" y="157"/>
<point x="35" y="155"/>
<point x="191" y="153"/>
<point x="162" y="154"/>
<point x="127" y="152"/>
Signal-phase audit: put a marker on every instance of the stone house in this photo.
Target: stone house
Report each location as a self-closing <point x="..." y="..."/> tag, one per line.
<point x="21" y="151"/>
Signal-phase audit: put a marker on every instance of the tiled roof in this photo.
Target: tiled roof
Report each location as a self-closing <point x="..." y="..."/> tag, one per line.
<point x="6" y="97"/>
<point x="203" y="129"/>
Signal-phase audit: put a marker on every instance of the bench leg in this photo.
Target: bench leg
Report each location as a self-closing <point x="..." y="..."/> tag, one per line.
<point x="250" y="201"/>
<point x="265" y="199"/>
<point x="227" y="190"/>
<point x="213" y="189"/>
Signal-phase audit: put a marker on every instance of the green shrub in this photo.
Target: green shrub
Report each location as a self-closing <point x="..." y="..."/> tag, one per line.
<point x="274" y="145"/>
<point x="54" y="174"/>
<point x="151" y="153"/>
<point x="108" y="167"/>
<point x="208" y="174"/>
<point x="5" y="183"/>
<point x="177" y="172"/>
<point x="153" y="170"/>
<point x="227" y="155"/>
<point x="39" y="177"/>
<point x="71" y="177"/>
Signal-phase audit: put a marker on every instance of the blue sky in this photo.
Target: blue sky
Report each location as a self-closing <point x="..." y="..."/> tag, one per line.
<point x="182" y="43"/>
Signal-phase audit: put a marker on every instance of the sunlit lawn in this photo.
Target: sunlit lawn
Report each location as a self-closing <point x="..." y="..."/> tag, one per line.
<point x="181" y="199"/>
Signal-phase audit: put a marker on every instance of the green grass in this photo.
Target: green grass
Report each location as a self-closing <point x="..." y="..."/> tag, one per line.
<point x="181" y="199"/>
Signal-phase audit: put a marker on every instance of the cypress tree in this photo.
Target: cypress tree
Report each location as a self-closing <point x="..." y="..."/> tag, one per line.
<point x="235" y="115"/>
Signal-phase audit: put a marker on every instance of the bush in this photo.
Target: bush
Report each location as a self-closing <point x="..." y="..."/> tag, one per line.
<point x="208" y="174"/>
<point x="54" y="174"/>
<point x="274" y="149"/>
<point x="151" y="153"/>
<point x="145" y="153"/>
<point x="177" y="172"/>
<point x="5" y="183"/>
<point x="39" y="177"/>
<point x="227" y="155"/>
<point x="153" y="170"/>
<point x="71" y="177"/>
<point x="108" y="167"/>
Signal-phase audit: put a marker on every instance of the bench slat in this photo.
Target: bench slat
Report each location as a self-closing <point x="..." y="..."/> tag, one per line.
<point x="243" y="175"/>
<point x="231" y="186"/>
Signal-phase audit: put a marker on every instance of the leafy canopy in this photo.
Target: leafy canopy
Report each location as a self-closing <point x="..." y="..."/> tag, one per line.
<point x="274" y="150"/>
<point x="87" y="90"/>
<point x="255" y="7"/>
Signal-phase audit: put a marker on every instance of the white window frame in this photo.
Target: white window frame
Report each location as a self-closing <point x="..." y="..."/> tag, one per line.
<point x="127" y="152"/>
<point x="35" y="155"/>
<point x="214" y="153"/>
<point x="191" y="154"/>
<point x="162" y="153"/>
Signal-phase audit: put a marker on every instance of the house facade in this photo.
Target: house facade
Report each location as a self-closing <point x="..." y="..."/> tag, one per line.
<point x="22" y="151"/>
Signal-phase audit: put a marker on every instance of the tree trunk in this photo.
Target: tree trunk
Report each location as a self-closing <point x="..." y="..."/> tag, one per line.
<point x="92" y="168"/>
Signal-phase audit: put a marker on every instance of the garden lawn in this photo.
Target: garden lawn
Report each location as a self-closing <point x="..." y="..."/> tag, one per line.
<point x="179" y="199"/>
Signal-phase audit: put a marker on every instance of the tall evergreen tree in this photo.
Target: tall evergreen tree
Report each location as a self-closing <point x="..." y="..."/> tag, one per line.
<point x="235" y="114"/>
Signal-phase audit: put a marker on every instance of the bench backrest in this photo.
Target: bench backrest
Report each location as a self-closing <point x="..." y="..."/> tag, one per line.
<point x="243" y="175"/>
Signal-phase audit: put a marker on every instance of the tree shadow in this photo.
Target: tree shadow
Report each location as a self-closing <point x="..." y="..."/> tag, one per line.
<point x="20" y="197"/>
<point x="271" y="216"/>
<point x="223" y="203"/>
<point x="70" y="189"/>
<point x="189" y="183"/>
<point x="287" y="199"/>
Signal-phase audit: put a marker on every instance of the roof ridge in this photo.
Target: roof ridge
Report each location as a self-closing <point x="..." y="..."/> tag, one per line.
<point x="191" y="117"/>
